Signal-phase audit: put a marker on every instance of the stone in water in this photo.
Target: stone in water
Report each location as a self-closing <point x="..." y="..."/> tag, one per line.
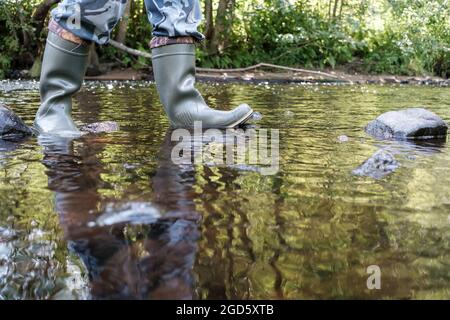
<point x="378" y="166"/>
<point x="11" y="125"/>
<point x="99" y="127"/>
<point x="413" y="123"/>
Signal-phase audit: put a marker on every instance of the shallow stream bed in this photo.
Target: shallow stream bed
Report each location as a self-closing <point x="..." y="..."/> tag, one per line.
<point x="111" y="216"/>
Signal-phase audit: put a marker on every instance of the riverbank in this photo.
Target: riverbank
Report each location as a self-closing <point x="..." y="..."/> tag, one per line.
<point x="266" y="75"/>
<point x="284" y="76"/>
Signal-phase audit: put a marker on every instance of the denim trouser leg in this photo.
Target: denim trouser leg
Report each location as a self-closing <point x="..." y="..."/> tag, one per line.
<point x="175" y="18"/>
<point x="94" y="20"/>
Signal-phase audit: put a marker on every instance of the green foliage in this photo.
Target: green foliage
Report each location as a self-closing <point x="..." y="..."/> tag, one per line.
<point x="9" y="42"/>
<point x="388" y="36"/>
<point x="17" y="36"/>
<point x="413" y="37"/>
<point x="294" y="36"/>
<point x="416" y="39"/>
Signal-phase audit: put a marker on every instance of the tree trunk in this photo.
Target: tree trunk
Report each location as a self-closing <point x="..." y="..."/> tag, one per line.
<point x="209" y="23"/>
<point x="41" y="13"/>
<point x="93" y="68"/>
<point x="26" y="37"/>
<point x="329" y="9"/>
<point x="209" y="26"/>
<point x="231" y="10"/>
<point x="341" y="9"/>
<point x="336" y="3"/>
<point x="123" y="24"/>
<point x="225" y="12"/>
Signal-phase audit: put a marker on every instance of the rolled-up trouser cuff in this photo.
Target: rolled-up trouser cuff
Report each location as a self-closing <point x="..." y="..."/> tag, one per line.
<point x="157" y="42"/>
<point x="94" y="20"/>
<point x="66" y="35"/>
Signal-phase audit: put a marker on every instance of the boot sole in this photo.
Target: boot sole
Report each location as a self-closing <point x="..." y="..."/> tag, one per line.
<point x="241" y="121"/>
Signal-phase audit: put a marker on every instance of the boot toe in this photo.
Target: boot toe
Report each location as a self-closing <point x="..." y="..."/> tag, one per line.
<point x="241" y="114"/>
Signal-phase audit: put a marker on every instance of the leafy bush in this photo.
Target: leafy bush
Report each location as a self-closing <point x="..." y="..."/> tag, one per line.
<point x="416" y="39"/>
<point x="289" y="35"/>
<point x="17" y="38"/>
<point x="413" y="36"/>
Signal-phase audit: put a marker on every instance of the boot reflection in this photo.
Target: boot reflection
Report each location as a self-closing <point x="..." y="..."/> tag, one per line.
<point x="125" y="260"/>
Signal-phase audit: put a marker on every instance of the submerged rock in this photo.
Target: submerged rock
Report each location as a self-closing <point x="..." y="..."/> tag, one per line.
<point x="378" y="166"/>
<point x="99" y="127"/>
<point x="11" y="125"/>
<point x="413" y="123"/>
<point x="343" y="139"/>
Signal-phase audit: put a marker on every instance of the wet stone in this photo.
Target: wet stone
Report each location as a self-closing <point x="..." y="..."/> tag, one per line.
<point x="378" y="166"/>
<point x="11" y="125"/>
<point x="343" y="139"/>
<point x="412" y="123"/>
<point x="99" y="127"/>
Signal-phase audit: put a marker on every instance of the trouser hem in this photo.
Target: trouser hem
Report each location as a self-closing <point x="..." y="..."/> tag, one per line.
<point x="159" y="41"/>
<point x="65" y="34"/>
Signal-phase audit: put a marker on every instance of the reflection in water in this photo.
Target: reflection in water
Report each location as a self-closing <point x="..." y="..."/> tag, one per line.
<point x="150" y="261"/>
<point x="416" y="147"/>
<point x="130" y="224"/>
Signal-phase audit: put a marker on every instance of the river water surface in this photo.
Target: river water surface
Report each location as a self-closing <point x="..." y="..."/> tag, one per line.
<point x="111" y="216"/>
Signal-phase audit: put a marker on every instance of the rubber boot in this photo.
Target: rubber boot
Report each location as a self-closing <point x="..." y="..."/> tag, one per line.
<point x="63" y="69"/>
<point x="174" y="71"/>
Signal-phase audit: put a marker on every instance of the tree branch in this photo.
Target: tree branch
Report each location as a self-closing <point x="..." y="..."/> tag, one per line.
<point x="147" y="55"/>
<point x="134" y="52"/>
<point x="40" y="14"/>
<point x="267" y="65"/>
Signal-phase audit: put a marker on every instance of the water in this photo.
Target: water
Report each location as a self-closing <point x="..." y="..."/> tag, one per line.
<point x="110" y="216"/>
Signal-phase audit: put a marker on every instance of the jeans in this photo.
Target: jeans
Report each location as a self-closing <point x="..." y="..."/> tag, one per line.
<point x="93" y="20"/>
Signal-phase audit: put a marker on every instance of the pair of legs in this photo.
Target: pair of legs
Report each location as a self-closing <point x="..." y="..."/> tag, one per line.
<point x="77" y="23"/>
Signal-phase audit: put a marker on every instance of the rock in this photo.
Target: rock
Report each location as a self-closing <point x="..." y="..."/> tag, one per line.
<point x="99" y="127"/>
<point x="343" y="139"/>
<point x="413" y="123"/>
<point x="379" y="165"/>
<point x="6" y="234"/>
<point x="12" y="126"/>
<point x="9" y="145"/>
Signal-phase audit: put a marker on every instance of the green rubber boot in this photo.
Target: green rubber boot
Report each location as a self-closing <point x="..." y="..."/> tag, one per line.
<point x="63" y="69"/>
<point x="174" y="71"/>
